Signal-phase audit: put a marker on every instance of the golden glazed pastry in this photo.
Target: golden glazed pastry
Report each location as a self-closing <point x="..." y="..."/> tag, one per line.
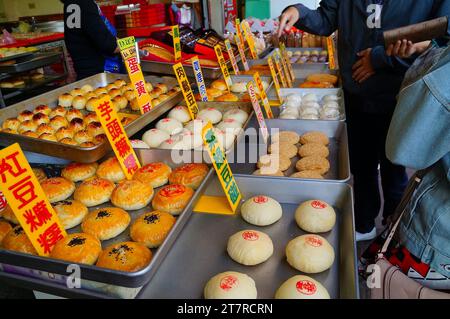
<point x="48" y="137"/>
<point x="125" y="256"/>
<point x="40" y="118"/>
<point x="68" y="141"/>
<point x="9" y="131"/>
<point x="87" y="144"/>
<point x="106" y="223"/>
<point x="44" y="128"/>
<point x="63" y="133"/>
<point x="119" y="83"/>
<point x="90" y="117"/>
<point x="130" y="95"/>
<point x="5" y="228"/>
<point x="313" y="163"/>
<point x="58" y="122"/>
<point x="58" y="111"/>
<point x="283" y="149"/>
<point x="77" y="248"/>
<point x="128" y="87"/>
<point x="87" y="89"/>
<point x="111" y="86"/>
<point x="90" y="104"/>
<point x="152" y="228"/>
<point x="153" y="174"/>
<point x="286" y="137"/>
<point x="312" y="149"/>
<point x="44" y="109"/>
<point x="94" y="129"/>
<point x="17" y="240"/>
<point x="74" y="114"/>
<point x="228" y="97"/>
<point x="77" y="124"/>
<point x="172" y="198"/>
<point x="220" y="85"/>
<point x="25" y="116"/>
<point x="307" y="175"/>
<point x="12" y="124"/>
<point x="134" y="105"/>
<point x="94" y="192"/>
<point x="214" y="92"/>
<point x="111" y="170"/>
<point x="164" y="89"/>
<point x="114" y="92"/>
<point x="65" y="100"/>
<point x="79" y="102"/>
<point x="40" y="174"/>
<point x="90" y="95"/>
<point x="314" y="137"/>
<point x="156" y="92"/>
<point x="9" y="215"/>
<point x="100" y="139"/>
<point x="190" y="175"/>
<point x="82" y="136"/>
<point x="57" y="189"/>
<point x="101" y="91"/>
<point x="120" y="102"/>
<point x="77" y="172"/>
<point x="70" y="212"/>
<point x="274" y="161"/>
<point x="132" y="195"/>
<point x="76" y="92"/>
<point x="28" y="125"/>
<point x="29" y="134"/>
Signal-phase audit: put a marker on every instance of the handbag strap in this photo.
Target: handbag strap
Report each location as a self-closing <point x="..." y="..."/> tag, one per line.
<point x="401" y="208"/>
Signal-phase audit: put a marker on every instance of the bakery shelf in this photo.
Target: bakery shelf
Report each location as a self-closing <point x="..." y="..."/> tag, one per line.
<point x="31" y="63"/>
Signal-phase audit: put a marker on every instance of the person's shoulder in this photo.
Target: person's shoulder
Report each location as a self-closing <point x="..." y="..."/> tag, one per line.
<point x="438" y="79"/>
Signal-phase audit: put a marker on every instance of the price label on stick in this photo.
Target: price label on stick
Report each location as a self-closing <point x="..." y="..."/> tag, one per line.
<point x="275" y="79"/>
<point x="28" y="201"/>
<point x="239" y="33"/>
<point x="176" y="42"/>
<point x="249" y="37"/>
<point x="263" y="95"/>
<point x="117" y="136"/>
<point x="223" y="66"/>
<point x="258" y="111"/>
<point x="232" y="57"/>
<point x="240" y="46"/>
<point x="285" y="69"/>
<point x="199" y="78"/>
<point x="280" y="70"/>
<point x="186" y="89"/>
<point x="130" y="57"/>
<point x="285" y="56"/>
<point x="221" y="166"/>
<point x="331" y="59"/>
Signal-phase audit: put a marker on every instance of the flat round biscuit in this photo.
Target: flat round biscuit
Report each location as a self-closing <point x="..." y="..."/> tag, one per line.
<point x="307" y="175"/>
<point x="287" y="137"/>
<point x="315" y="137"/>
<point x="284" y="149"/>
<point x="313" y="163"/>
<point x="312" y="149"/>
<point x="77" y="172"/>
<point x="274" y="162"/>
<point x="132" y="195"/>
<point x="106" y="223"/>
<point x="57" y="189"/>
<point x="70" y="212"/>
<point x="125" y="256"/>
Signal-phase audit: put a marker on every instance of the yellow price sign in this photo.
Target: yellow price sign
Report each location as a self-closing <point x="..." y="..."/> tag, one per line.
<point x="275" y="79"/>
<point x="249" y="37"/>
<point x="331" y="58"/>
<point x="280" y="70"/>
<point x="258" y="111"/>
<point x="285" y="56"/>
<point x="185" y="86"/>
<point x="199" y="78"/>
<point x="128" y="51"/>
<point x="223" y="66"/>
<point x="232" y="57"/>
<point x="221" y="166"/>
<point x="176" y="42"/>
<point x="285" y="69"/>
<point x="239" y="33"/>
<point x="28" y="201"/>
<point x="262" y="93"/>
<point x="240" y="46"/>
<point x="117" y="136"/>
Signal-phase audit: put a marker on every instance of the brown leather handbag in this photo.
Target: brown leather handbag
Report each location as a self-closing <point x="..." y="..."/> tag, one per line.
<point x="394" y="283"/>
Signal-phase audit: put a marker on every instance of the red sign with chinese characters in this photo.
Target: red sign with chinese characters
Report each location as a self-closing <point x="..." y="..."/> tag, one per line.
<point x="27" y="200"/>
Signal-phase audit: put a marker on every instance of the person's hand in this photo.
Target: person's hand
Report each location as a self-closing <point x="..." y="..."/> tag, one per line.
<point x="288" y="19"/>
<point x="405" y="49"/>
<point x="363" y="69"/>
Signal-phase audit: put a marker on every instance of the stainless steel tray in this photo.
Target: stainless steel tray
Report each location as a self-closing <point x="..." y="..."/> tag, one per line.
<point x="75" y="153"/>
<point x="200" y="251"/>
<point x="307" y="65"/>
<point x="102" y="275"/>
<point x="13" y="57"/>
<point x="30" y="63"/>
<point x="335" y="130"/>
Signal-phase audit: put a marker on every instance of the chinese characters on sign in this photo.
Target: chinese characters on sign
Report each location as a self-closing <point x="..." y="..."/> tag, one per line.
<point x="232" y="57"/>
<point x="221" y="166"/>
<point x="280" y="70"/>
<point x="263" y="95"/>
<point x="128" y="50"/>
<point x="275" y="79"/>
<point x="249" y="37"/>
<point x="285" y="68"/>
<point x="199" y="78"/>
<point x="240" y="46"/>
<point x="176" y="42"/>
<point x="223" y="66"/>
<point x="186" y="89"/>
<point x="330" y="47"/>
<point x="258" y="112"/>
<point x="239" y="34"/>
<point x="28" y="201"/>
<point x="284" y="55"/>
<point x="117" y="136"/>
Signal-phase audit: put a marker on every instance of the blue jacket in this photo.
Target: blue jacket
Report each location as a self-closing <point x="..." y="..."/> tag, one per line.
<point x="350" y="18"/>
<point x="419" y="137"/>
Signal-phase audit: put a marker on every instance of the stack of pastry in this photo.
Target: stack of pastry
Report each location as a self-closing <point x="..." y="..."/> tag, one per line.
<point x="314" y="153"/>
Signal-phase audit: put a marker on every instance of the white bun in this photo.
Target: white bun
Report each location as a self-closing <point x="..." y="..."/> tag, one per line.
<point x="170" y="126"/>
<point x="237" y="115"/>
<point x="250" y="247"/>
<point x="154" y="137"/>
<point x="261" y="211"/>
<point x="180" y="113"/>
<point x="210" y="114"/>
<point x="302" y="287"/>
<point x="230" y="285"/>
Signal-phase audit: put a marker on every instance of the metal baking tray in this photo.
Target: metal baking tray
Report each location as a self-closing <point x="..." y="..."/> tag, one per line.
<point x="12" y="57"/>
<point x="107" y="276"/>
<point x="298" y="65"/>
<point x="29" y="63"/>
<point x="75" y="153"/>
<point x="202" y="244"/>
<point x="248" y="78"/>
<point x="320" y="94"/>
<point x="335" y="130"/>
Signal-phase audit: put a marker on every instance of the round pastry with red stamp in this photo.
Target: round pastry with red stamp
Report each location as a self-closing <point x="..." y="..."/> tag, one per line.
<point x="302" y="287"/>
<point x="57" y="188"/>
<point x="310" y="254"/>
<point x="17" y="240"/>
<point x="79" y="248"/>
<point x="151" y="229"/>
<point x="261" y="210"/>
<point x="315" y="216"/>
<point x="153" y="174"/>
<point x="77" y="172"/>
<point x="126" y="256"/>
<point x="106" y="223"/>
<point x="93" y="192"/>
<point x="190" y="175"/>
<point x="172" y="198"/>
<point x="111" y="170"/>
<point x="250" y="247"/>
<point x="132" y="195"/>
<point x="230" y="285"/>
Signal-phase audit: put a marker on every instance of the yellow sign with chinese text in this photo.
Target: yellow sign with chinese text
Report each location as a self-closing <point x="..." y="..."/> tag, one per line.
<point x="239" y="33"/>
<point x="223" y="66"/>
<point x="232" y="57"/>
<point x="262" y="93"/>
<point x="280" y="70"/>
<point x="285" y="69"/>
<point x="185" y="86"/>
<point x="220" y="163"/>
<point x="258" y="112"/>
<point x="275" y="79"/>
<point x="28" y="201"/>
<point x="331" y="58"/>
<point x="128" y="51"/>
<point x="117" y="136"/>
<point x="249" y="37"/>
<point x="199" y="78"/>
<point x="284" y="55"/>
<point x="176" y="42"/>
<point x="240" y="46"/>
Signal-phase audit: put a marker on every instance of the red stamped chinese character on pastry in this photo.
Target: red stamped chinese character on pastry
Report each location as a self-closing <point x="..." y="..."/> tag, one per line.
<point x="260" y="199"/>
<point x="228" y="282"/>
<point x="306" y="287"/>
<point x="317" y="204"/>
<point x="314" y="241"/>
<point x="250" y="235"/>
<point x="172" y="190"/>
<point x="152" y="167"/>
